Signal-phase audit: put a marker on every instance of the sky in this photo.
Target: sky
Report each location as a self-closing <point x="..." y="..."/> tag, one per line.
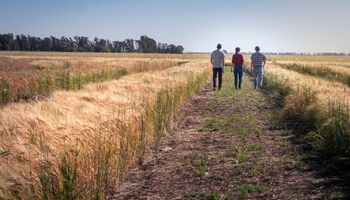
<point x="198" y="25"/>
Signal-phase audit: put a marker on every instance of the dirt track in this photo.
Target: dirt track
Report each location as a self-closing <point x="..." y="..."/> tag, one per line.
<point x="224" y="145"/>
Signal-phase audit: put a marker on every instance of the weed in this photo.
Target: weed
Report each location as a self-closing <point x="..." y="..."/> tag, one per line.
<point x="69" y="173"/>
<point x="241" y="155"/>
<point x="320" y="71"/>
<point x="201" y="166"/>
<point x="207" y="196"/>
<point x="4" y="91"/>
<point x="211" y="125"/>
<point x="255" y="149"/>
<point x="240" y="167"/>
<point x="259" y="170"/>
<point x="332" y="138"/>
<point x="334" y="192"/>
<point x="246" y="189"/>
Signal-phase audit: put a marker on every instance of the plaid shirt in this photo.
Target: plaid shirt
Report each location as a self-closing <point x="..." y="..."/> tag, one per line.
<point x="257" y="59"/>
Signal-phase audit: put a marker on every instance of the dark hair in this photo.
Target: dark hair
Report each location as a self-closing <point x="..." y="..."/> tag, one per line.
<point x="238" y="49"/>
<point x="219" y="46"/>
<point x="257" y="48"/>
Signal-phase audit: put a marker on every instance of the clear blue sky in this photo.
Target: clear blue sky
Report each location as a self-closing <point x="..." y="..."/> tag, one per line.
<point x="275" y="25"/>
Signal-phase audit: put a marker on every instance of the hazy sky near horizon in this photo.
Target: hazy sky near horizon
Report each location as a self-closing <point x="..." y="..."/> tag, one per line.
<point x="198" y="25"/>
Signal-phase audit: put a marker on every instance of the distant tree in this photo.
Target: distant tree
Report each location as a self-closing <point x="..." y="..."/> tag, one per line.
<point x="129" y="45"/>
<point x="46" y="44"/>
<point x="109" y="46"/>
<point x="147" y="45"/>
<point x="83" y="44"/>
<point x="7" y="42"/>
<point x="23" y="42"/>
<point x="56" y="46"/>
<point x="117" y="46"/>
<point x="165" y="48"/>
<point x="162" y="48"/>
<point x="34" y="43"/>
<point x="172" y="48"/>
<point x="179" y="49"/>
<point x="101" y="45"/>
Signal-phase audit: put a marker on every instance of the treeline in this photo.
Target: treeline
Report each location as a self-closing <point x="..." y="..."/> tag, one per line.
<point x="9" y="42"/>
<point x="308" y="54"/>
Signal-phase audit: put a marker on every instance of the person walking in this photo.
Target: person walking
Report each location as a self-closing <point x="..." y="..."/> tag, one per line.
<point x="257" y="66"/>
<point x="218" y="61"/>
<point x="237" y="68"/>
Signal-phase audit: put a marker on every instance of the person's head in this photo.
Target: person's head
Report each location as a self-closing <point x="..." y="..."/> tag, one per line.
<point x="238" y="49"/>
<point x="219" y="46"/>
<point x="257" y="48"/>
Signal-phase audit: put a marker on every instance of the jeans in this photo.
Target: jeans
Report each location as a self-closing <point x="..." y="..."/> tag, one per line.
<point x="238" y="73"/>
<point x="216" y="72"/>
<point x="258" y="77"/>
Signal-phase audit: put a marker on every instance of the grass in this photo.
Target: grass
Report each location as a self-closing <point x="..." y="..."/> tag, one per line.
<point x="335" y="193"/>
<point x="101" y="55"/>
<point x="332" y="137"/>
<point x="207" y="196"/>
<point x="246" y="189"/>
<point x="158" y="117"/>
<point x="326" y="127"/>
<point x="201" y="166"/>
<point x="255" y="149"/>
<point x="26" y="79"/>
<point x="114" y="124"/>
<point x="242" y="155"/>
<point x="4" y="92"/>
<point x="259" y="171"/>
<point x="338" y="74"/>
<point x="212" y="124"/>
<point x="317" y="110"/>
<point x="117" y="122"/>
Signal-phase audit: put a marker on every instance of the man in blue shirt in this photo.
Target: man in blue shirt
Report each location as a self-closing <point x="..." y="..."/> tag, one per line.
<point x="218" y="61"/>
<point x="257" y="65"/>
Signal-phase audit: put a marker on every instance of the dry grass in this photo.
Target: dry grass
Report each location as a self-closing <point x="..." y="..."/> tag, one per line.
<point x="326" y="90"/>
<point x="317" y="109"/>
<point x="333" y="72"/>
<point x="63" y="55"/>
<point x="313" y="59"/>
<point x="32" y="77"/>
<point x="99" y="120"/>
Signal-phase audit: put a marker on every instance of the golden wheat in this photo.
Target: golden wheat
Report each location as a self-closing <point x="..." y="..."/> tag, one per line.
<point x="37" y="131"/>
<point x="326" y="91"/>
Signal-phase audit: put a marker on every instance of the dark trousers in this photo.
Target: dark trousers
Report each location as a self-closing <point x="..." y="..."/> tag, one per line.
<point x="216" y="72"/>
<point x="238" y="73"/>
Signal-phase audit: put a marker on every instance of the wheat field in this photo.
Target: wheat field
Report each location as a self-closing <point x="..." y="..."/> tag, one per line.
<point x="65" y="141"/>
<point x="93" y="133"/>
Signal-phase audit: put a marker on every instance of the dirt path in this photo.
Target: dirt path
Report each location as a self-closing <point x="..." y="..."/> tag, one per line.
<point x="224" y="145"/>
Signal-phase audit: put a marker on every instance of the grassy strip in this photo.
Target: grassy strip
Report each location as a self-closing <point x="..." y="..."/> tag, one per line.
<point x="326" y="130"/>
<point x="89" y="175"/>
<point x="65" y="80"/>
<point x="319" y="71"/>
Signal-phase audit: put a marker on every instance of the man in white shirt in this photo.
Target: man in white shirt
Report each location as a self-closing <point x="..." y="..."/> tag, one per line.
<point x="218" y="61"/>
